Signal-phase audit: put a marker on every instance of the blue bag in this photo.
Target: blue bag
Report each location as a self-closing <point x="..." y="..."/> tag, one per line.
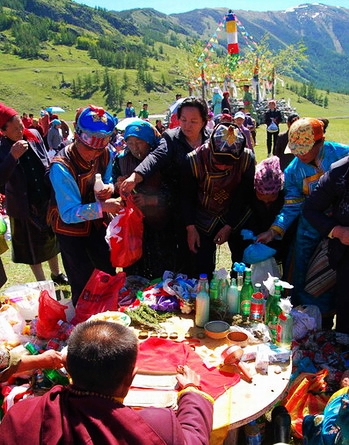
<point x="257" y="252"/>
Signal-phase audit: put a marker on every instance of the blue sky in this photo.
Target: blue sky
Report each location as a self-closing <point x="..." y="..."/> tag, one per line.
<point x="171" y="7"/>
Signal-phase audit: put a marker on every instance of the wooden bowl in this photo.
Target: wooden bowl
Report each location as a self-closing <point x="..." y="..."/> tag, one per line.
<point x="238" y="338"/>
<point x="217" y="329"/>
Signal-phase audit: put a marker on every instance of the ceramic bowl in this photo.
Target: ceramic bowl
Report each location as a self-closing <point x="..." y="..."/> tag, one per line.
<point x="238" y="338"/>
<point x="217" y="329"/>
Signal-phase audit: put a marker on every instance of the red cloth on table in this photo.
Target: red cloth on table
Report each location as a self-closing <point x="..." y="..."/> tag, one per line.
<point x="158" y="354"/>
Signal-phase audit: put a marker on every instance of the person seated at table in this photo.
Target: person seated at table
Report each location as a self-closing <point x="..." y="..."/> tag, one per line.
<point x="217" y="188"/>
<point x="153" y="197"/>
<point x="101" y="360"/>
<point x="19" y="361"/>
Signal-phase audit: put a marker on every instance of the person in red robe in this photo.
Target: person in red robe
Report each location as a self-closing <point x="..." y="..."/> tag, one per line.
<point x="101" y="362"/>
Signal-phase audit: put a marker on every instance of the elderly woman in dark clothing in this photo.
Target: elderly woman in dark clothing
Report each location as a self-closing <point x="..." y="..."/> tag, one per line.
<point x="168" y="158"/>
<point x="267" y="201"/>
<point x="23" y="167"/>
<point x="153" y="197"/>
<point x="332" y="192"/>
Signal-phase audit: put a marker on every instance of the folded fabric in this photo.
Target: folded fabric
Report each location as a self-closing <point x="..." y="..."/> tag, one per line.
<point x="161" y="354"/>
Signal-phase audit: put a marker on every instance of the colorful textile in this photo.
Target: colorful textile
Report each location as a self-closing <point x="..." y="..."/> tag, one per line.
<point x="269" y="178"/>
<point x="160" y="354"/>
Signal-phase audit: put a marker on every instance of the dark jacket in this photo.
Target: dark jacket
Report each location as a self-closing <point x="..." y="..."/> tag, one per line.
<point x="14" y="178"/>
<point x="328" y="206"/>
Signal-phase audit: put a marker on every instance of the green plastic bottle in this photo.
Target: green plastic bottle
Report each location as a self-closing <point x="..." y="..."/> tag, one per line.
<point x="52" y="374"/>
<point x="246" y="294"/>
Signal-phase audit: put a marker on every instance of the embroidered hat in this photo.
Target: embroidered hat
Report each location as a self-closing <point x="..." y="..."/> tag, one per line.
<point x="227" y="143"/>
<point x="143" y="130"/>
<point x="6" y="113"/>
<point x="94" y="127"/>
<point x="303" y="134"/>
<point x="269" y="178"/>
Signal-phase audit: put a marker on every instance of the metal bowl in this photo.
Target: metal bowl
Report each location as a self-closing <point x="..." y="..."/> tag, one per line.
<point x="217" y="329"/>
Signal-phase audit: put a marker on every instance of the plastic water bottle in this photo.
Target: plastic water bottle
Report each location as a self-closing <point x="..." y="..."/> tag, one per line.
<point x="284" y="330"/>
<point x="233" y="298"/>
<point x="98" y="185"/>
<point x="202" y="302"/>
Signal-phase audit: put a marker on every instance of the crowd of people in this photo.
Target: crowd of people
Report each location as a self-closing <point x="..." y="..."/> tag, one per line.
<point x="198" y="185"/>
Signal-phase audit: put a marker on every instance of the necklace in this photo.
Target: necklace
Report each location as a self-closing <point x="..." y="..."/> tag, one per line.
<point x="79" y="392"/>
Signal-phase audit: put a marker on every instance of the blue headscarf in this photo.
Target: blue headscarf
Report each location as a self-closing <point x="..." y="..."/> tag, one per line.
<point x="143" y="130"/>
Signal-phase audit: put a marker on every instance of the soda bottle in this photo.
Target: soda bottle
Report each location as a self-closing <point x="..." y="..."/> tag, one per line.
<point x="202" y="302"/>
<point x="53" y="375"/>
<point x="273" y="310"/>
<point x="233" y="299"/>
<point x="214" y="287"/>
<point x="257" y="304"/>
<point x="246" y="294"/>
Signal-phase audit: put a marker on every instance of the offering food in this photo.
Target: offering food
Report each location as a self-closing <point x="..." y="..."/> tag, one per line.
<point x="113" y="317"/>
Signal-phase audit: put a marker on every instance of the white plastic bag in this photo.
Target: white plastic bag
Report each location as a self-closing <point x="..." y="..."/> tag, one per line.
<point x="259" y="271"/>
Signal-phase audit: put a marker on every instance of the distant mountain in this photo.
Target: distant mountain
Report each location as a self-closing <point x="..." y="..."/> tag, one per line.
<point x="323" y="29"/>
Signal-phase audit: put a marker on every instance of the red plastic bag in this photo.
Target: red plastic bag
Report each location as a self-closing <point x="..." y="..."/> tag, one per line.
<point x="49" y="313"/>
<point x="125" y="235"/>
<point x="100" y="294"/>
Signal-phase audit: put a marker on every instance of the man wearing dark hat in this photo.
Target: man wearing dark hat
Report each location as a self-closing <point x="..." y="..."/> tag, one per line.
<point x="217" y="185"/>
<point x="23" y="167"/>
<point x="76" y="216"/>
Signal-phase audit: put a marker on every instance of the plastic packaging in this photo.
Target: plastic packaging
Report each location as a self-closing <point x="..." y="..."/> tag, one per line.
<point x="202" y="303"/>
